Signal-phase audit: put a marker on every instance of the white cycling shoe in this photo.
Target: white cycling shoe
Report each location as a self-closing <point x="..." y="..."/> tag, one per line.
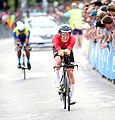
<point x="73" y="99"/>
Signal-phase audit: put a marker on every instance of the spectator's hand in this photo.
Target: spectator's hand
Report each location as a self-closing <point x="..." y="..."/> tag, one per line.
<point x="67" y="51"/>
<point x="114" y="47"/>
<point x="61" y="52"/>
<point x="103" y="45"/>
<point x="56" y="10"/>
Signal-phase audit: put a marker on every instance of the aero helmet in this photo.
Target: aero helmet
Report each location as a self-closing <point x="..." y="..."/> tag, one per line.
<point x="20" y="26"/>
<point x="65" y="28"/>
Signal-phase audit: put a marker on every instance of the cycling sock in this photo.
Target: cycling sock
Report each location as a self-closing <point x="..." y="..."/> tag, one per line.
<point x="19" y="60"/>
<point x="73" y="88"/>
<point x="57" y="76"/>
<point x="28" y="60"/>
<point x="60" y="73"/>
<point x="73" y="93"/>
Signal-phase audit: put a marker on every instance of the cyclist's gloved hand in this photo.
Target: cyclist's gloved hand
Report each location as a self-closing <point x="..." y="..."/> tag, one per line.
<point x="61" y="52"/>
<point x="18" y="44"/>
<point x="67" y="51"/>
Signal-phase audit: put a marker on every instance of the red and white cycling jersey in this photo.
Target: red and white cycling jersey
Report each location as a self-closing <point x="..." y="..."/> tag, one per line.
<point x="59" y="45"/>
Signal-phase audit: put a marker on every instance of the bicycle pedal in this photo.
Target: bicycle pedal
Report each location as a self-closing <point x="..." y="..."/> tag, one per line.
<point x="70" y="89"/>
<point x="59" y="92"/>
<point x="64" y="93"/>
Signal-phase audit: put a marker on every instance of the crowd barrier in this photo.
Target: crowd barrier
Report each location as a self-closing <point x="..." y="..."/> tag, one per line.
<point x="4" y="31"/>
<point x="103" y="60"/>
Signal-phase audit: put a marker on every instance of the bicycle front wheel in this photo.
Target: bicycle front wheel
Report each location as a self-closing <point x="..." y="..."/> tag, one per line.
<point x="67" y="93"/>
<point x="68" y="97"/>
<point x="64" y="98"/>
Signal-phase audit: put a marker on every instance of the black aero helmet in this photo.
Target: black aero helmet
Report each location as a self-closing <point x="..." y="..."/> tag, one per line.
<point x="65" y="28"/>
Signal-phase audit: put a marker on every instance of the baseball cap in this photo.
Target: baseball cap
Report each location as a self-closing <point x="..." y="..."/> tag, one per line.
<point x="93" y="13"/>
<point x="103" y="8"/>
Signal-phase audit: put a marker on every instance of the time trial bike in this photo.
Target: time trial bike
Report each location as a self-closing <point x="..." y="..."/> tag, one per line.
<point x="65" y="88"/>
<point x="23" y="55"/>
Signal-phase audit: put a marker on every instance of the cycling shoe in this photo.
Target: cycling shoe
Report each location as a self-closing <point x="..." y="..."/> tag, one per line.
<point x="29" y="66"/>
<point x="19" y="65"/>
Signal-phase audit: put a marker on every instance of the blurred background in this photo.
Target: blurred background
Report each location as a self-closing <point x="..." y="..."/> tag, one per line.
<point x="14" y="10"/>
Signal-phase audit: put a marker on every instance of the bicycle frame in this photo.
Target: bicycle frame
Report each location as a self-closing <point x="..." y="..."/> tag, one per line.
<point x="64" y="90"/>
<point x="66" y="81"/>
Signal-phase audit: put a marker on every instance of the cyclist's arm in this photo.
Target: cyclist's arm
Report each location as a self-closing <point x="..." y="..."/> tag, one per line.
<point x="16" y="38"/>
<point x="55" y="42"/>
<point x="27" y="37"/>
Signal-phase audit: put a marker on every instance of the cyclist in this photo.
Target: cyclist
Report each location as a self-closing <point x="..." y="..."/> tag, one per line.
<point x="21" y="35"/>
<point x="63" y="43"/>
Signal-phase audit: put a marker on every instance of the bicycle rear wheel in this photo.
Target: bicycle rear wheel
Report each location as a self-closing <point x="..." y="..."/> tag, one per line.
<point x="24" y="70"/>
<point x="24" y="73"/>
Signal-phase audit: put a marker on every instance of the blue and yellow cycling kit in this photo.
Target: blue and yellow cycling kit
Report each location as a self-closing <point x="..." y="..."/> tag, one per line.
<point x="21" y="37"/>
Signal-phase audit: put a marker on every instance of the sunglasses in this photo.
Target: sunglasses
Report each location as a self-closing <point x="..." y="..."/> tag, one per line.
<point x="65" y="34"/>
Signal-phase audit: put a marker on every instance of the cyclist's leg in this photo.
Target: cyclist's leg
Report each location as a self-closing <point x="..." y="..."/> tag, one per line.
<point x="18" y="49"/>
<point x="28" y="56"/>
<point x="57" y="70"/>
<point x="72" y="81"/>
<point x="71" y="69"/>
<point x="19" y="58"/>
<point x="73" y="98"/>
<point x="27" y="53"/>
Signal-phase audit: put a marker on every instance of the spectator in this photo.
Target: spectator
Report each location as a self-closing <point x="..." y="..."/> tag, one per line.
<point x="110" y="29"/>
<point x="111" y="10"/>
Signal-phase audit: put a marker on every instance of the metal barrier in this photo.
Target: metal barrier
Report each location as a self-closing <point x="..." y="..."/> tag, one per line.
<point x="103" y="60"/>
<point x="4" y="31"/>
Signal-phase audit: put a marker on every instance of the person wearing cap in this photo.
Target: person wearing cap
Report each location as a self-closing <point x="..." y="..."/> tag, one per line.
<point x="75" y="20"/>
<point x="21" y="36"/>
<point x="93" y="16"/>
<point x="93" y="13"/>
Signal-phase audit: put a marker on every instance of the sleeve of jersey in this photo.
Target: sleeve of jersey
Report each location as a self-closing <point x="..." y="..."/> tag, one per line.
<point x="28" y="35"/>
<point x="67" y="14"/>
<point x="55" y="43"/>
<point x="15" y="36"/>
<point x="72" y="43"/>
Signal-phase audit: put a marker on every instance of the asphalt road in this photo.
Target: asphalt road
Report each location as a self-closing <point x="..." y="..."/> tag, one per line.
<point x="36" y="97"/>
